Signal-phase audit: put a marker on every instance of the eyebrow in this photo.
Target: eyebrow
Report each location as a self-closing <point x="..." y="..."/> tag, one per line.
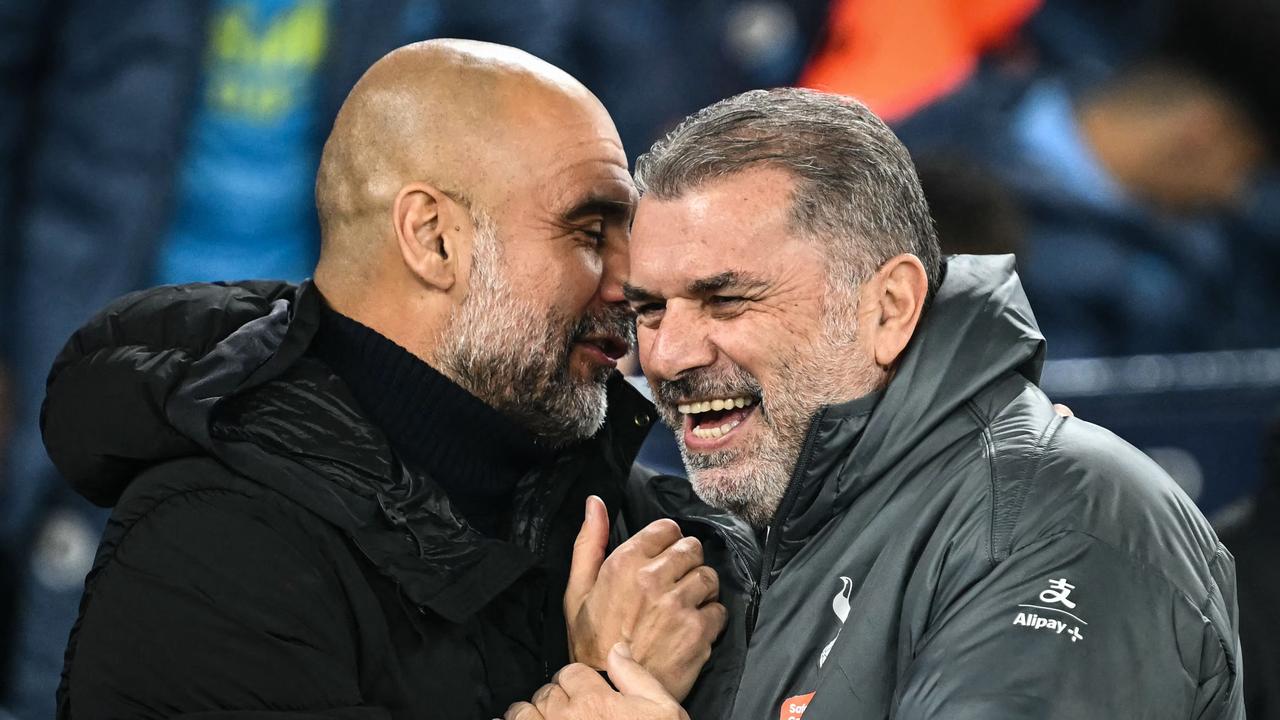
<point x="721" y="281"/>
<point x="608" y="205"/>
<point x="637" y="294"/>
<point x="702" y="286"/>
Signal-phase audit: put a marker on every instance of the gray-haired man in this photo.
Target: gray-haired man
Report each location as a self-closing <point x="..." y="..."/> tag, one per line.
<point x="935" y="541"/>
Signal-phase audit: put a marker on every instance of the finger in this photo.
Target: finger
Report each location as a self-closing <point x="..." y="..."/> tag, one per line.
<point x="522" y="711"/>
<point x="654" y="538"/>
<point x="674" y="563"/>
<point x="631" y="678"/>
<point x="550" y="698"/>
<point x="588" y="555"/>
<point x="578" y="679"/>
<point x="1063" y="410"/>
<point x="699" y="586"/>
<point x="715" y="617"/>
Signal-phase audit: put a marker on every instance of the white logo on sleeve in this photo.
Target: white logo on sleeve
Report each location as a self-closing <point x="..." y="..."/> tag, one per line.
<point x="1059" y="622"/>
<point x="1057" y="593"/>
<point x="840" y="606"/>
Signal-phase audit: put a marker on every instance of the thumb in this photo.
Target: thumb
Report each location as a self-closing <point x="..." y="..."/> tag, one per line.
<point x="631" y="678"/>
<point x="588" y="554"/>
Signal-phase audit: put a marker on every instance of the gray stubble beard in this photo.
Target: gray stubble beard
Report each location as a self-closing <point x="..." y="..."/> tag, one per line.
<point x="516" y="357"/>
<point x="751" y="481"/>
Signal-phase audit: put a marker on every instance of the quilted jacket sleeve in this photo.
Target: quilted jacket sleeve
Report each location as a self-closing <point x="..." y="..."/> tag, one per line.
<point x="206" y="609"/>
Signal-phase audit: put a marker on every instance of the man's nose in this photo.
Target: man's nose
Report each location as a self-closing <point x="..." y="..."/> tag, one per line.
<point x="612" y="277"/>
<point x="680" y="343"/>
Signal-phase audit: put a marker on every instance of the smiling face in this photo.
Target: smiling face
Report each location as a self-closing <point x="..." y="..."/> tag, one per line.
<point x="544" y="321"/>
<point x="741" y="335"/>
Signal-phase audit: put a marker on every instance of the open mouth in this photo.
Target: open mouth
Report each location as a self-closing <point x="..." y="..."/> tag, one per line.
<point x="605" y="349"/>
<point x="715" y="418"/>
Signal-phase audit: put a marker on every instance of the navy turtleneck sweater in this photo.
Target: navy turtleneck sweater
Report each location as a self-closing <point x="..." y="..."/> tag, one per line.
<point x="476" y="454"/>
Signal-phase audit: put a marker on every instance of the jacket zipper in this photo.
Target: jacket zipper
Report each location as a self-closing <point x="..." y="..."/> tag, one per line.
<point x="769" y="555"/>
<point x="538" y="536"/>
<point x="738" y="560"/>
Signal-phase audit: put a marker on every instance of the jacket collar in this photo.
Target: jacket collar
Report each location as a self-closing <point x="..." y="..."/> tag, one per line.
<point x="979" y="329"/>
<point x="253" y="401"/>
<point x="814" y="491"/>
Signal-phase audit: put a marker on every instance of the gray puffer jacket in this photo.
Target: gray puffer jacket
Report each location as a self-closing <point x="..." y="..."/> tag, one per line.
<point x="952" y="548"/>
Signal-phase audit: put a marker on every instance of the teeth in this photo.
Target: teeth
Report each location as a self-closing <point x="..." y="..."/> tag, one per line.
<point x="715" y="432"/>
<point x="717" y="404"/>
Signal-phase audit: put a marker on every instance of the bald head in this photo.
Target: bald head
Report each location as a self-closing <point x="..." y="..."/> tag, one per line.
<point x="474" y="205"/>
<point x="464" y="116"/>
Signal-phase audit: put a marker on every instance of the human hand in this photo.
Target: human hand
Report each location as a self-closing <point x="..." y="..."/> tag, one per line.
<point x="652" y="592"/>
<point x="579" y="693"/>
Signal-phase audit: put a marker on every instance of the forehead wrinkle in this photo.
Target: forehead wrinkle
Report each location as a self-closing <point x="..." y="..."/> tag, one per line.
<point x="605" y="193"/>
<point x="562" y="198"/>
<point x="590" y="133"/>
<point x="577" y="150"/>
<point x="607" y="168"/>
<point x="723" y="280"/>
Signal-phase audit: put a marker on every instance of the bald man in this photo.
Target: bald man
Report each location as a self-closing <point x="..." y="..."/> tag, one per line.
<point x="359" y="498"/>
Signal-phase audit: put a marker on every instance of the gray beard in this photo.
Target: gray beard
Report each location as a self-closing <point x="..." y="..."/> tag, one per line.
<point x="750" y="480"/>
<point x="516" y="357"/>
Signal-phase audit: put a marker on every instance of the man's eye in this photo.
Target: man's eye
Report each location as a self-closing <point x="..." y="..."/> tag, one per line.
<point x="647" y="309"/>
<point x="593" y="236"/>
<point x="726" y="299"/>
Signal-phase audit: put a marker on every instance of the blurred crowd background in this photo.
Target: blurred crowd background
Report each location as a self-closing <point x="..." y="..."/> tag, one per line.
<point x="1123" y="149"/>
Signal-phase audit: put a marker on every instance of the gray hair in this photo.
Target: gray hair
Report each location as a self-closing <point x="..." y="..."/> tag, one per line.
<point x="856" y="188"/>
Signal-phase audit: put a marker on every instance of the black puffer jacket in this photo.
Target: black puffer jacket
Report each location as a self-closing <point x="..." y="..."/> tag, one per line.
<point x="268" y="551"/>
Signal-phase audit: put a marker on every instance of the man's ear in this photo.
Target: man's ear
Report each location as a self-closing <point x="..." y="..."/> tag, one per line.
<point x="427" y="222"/>
<point x="896" y="294"/>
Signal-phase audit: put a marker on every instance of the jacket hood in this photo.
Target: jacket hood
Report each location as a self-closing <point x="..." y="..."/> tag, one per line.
<point x="168" y="373"/>
<point x="979" y="328"/>
<point x="105" y="416"/>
